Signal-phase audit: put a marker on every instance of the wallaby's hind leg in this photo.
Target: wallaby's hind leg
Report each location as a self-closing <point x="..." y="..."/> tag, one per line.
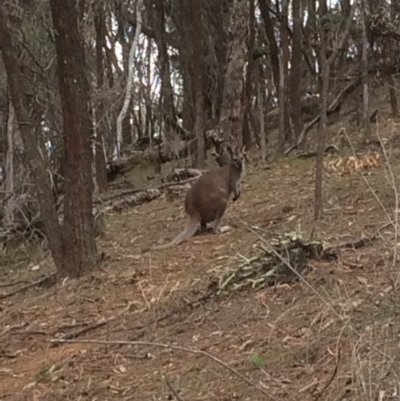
<point x="203" y="226"/>
<point x="218" y="218"/>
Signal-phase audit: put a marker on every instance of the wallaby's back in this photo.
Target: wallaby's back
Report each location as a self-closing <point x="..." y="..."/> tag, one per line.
<point x="210" y="194"/>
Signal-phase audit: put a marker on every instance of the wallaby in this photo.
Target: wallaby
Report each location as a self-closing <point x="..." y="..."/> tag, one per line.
<point x="208" y="198"/>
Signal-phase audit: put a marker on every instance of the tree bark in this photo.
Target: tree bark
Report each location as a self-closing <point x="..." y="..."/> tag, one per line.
<point x="364" y="64"/>
<point x="34" y="157"/>
<point x="100" y="160"/>
<point x="269" y="31"/>
<point x="232" y="112"/>
<point x="197" y="78"/>
<point x="260" y="103"/>
<point x="9" y="206"/>
<point x="129" y="81"/>
<point x="167" y="103"/>
<point x="295" y="70"/>
<point x="393" y="96"/>
<point x="80" y="246"/>
<point x="247" y="137"/>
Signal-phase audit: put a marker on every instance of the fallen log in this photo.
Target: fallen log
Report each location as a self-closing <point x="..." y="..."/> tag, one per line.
<point x="132" y="200"/>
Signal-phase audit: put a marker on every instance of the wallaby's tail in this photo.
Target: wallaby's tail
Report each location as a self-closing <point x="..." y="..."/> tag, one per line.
<point x="189" y="231"/>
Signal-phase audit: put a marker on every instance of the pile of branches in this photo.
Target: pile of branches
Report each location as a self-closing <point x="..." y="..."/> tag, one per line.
<point x="287" y="258"/>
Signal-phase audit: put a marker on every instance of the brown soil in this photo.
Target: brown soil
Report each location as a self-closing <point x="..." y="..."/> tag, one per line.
<point x="286" y="339"/>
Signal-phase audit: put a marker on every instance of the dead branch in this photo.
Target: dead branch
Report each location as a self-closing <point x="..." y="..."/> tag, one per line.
<point x="46" y="280"/>
<point x="195" y="351"/>
<point x="331" y="378"/>
<point x="87" y="328"/>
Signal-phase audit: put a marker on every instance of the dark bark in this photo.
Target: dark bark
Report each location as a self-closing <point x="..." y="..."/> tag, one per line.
<point x="364" y="68"/>
<point x="197" y="33"/>
<point x="393" y="96"/>
<point x="80" y="246"/>
<point x="168" y="109"/>
<point x="34" y="158"/>
<point x="269" y="31"/>
<point x="247" y="139"/>
<point x="295" y="70"/>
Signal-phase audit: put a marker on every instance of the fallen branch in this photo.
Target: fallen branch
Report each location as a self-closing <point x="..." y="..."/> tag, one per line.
<point x="86" y="329"/>
<point x="40" y="282"/>
<point x="195" y="351"/>
<point x="331" y="379"/>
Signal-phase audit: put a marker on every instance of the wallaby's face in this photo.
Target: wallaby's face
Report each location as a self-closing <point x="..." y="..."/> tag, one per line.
<point x="237" y="162"/>
<point x="237" y="159"/>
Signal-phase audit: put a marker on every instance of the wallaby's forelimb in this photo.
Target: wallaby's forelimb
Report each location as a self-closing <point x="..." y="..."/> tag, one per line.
<point x="189" y="231"/>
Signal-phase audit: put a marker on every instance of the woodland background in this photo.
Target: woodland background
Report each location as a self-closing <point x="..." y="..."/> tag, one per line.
<point x="109" y="110"/>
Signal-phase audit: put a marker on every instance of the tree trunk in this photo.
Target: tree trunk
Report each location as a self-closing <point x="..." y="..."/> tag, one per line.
<point x="364" y="64"/>
<point x="34" y="157"/>
<point x="100" y="160"/>
<point x="232" y="112"/>
<point x="197" y="78"/>
<point x="318" y="210"/>
<point x="295" y="70"/>
<point x="282" y="107"/>
<point x="392" y="94"/>
<point x="80" y="246"/>
<point x="247" y="137"/>
<point x="9" y="206"/>
<point x="167" y="94"/>
<point x="129" y="83"/>
<point x="269" y="31"/>
<point x="260" y="102"/>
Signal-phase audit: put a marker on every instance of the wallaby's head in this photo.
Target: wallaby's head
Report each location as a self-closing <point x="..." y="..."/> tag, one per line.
<point x="237" y="157"/>
<point x="230" y="155"/>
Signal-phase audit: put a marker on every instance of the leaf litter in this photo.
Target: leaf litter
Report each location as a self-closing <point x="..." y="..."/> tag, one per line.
<point x="268" y="330"/>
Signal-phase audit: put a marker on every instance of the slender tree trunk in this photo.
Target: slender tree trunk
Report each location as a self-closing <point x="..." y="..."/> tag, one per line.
<point x="247" y="138"/>
<point x="9" y="206"/>
<point x="197" y="78"/>
<point x="364" y="63"/>
<point x="269" y="31"/>
<point x="295" y="70"/>
<point x="281" y="97"/>
<point x="318" y="211"/>
<point x="260" y="103"/>
<point x="167" y="106"/>
<point x="34" y="157"/>
<point x="80" y="246"/>
<point x="324" y="91"/>
<point x="100" y="160"/>
<point x="393" y="97"/>
<point x="129" y="83"/>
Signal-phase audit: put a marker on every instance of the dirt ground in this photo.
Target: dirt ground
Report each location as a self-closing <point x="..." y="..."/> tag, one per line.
<point x="332" y="336"/>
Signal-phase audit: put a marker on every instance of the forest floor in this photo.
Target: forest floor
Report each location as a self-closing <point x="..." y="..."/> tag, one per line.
<point x="332" y="336"/>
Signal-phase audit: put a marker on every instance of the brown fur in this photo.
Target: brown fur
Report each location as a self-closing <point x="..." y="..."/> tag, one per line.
<point x="207" y="200"/>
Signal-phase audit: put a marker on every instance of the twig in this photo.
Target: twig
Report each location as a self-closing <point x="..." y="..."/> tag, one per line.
<point x="173" y="391"/>
<point x="331" y="379"/>
<point x="85" y="329"/>
<point x="195" y="351"/>
<point x="14" y="284"/>
<point x="34" y="284"/>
